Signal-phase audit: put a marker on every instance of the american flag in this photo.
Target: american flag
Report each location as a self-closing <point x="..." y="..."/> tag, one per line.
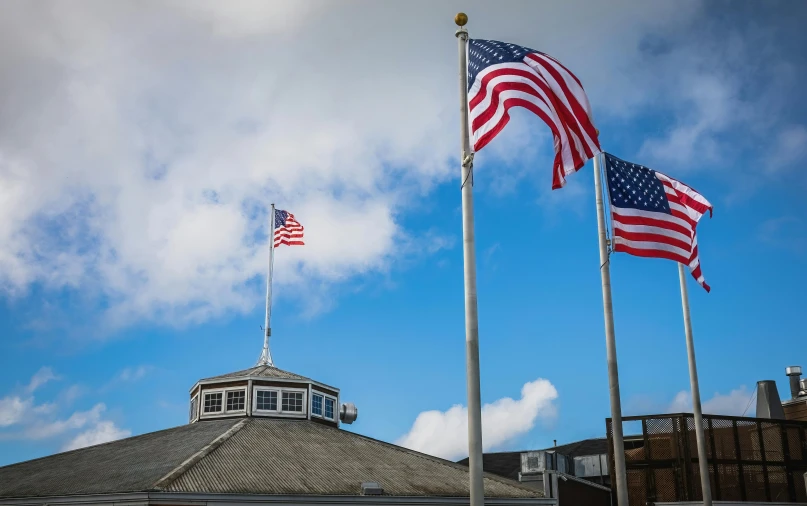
<point x="287" y="230"/>
<point x="654" y="215"/>
<point x="501" y="76"/>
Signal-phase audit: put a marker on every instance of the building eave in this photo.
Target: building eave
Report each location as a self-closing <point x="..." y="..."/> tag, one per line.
<point x="198" y="499"/>
<point x="260" y="378"/>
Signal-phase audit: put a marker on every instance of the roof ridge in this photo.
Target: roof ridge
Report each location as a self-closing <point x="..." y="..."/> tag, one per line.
<point x="162" y="483"/>
<point x="439" y="460"/>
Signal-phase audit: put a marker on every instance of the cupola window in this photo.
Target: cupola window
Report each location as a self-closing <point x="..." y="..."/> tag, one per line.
<point x="236" y="400"/>
<point x="322" y="405"/>
<point x="279" y="400"/>
<point x="266" y="400"/>
<point x="292" y="402"/>
<point x="213" y="402"/>
<point x="194" y="408"/>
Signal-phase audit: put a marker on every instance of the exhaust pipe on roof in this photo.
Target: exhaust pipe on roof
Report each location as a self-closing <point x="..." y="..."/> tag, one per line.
<point x="794" y="373"/>
<point x="348" y="413"/>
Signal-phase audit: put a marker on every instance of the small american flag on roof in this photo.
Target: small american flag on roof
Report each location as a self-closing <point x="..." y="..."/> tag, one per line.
<point x="654" y="215"/>
<point x="501" y="76"/>
<point x="288" y="231"/>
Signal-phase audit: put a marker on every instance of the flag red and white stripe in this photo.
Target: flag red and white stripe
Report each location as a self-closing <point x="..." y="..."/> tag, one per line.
<point x="505" y="76"/>
<point x="288" y="230"/>
<point x="661" y="235"/>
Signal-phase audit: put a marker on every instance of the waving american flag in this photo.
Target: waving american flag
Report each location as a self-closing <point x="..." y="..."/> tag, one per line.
<point x="654" y="215"/>
<point x="288" y="231"/>
<point x="501" y="76"/>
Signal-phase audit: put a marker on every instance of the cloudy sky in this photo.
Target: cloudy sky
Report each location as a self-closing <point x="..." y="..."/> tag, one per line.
<point x="141" y="144"/>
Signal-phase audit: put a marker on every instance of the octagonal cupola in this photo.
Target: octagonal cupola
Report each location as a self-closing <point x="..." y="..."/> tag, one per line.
<point x="266" y="391"/>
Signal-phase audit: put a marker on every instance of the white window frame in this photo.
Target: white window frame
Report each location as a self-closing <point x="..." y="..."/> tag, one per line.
<point x="314" y="393"/>
<point x="279" y="412"/>
<point x="204" y="393"/>
<point x="335" y="409"/>
<point x="255" y="391"/>
<point x="195" y="415"/>
<point x="224" y="411"/>
<point x="224" y="403"/>
<point x="324" y="396"/>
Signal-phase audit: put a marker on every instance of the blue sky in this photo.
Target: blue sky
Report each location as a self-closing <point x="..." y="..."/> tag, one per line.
<point x="138" y="159"/>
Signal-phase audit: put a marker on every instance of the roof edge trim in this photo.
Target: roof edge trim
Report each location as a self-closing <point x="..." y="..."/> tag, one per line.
<point x="262" y="378"/>
<point x="197" y="499"/>
<point x="175" y="473"/>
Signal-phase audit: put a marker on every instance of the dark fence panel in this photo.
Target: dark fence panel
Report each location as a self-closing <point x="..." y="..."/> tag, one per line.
<point x="750" y="459"/>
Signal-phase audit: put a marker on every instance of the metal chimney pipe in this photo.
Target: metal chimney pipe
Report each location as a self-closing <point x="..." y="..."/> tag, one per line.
<point x="794" y="373"/>
<point x="768" y="403"/>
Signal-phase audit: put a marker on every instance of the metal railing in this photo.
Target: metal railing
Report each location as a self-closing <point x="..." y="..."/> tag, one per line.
<point x="750" y="459"/>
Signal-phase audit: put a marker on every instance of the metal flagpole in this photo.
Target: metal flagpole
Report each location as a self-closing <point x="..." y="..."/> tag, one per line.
<point x="696" y="396"/>
<point x="469" y="255"/>
<point x="610" y="343"/>
<point x="266" y="355"/>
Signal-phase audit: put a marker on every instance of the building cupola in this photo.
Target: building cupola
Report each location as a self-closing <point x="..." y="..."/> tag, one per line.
<point x="269" y="392"/>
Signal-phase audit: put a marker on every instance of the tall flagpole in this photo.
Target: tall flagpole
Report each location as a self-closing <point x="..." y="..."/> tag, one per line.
<point x="696" y="395"/>
<point x="266" y="355"/>
<point x="610" y="344"/>
<point x="477" y="486"/>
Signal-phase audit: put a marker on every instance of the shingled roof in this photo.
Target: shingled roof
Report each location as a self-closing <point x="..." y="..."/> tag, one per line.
<point x="247" y="456"/>
<point x="259" y="371"/>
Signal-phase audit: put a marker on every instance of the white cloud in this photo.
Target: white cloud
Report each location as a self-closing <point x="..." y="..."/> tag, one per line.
<point x="41" y="429"/>
<point x="13" y="409"/>
<point x="141" y="146"/>
<point x="711" y="103"/>
<point x="723" y="115"/>
<point x="102" y="432"/>
<point x="734" y="403"/>
<point x="41" y="377"/>
<point x="681" y="403"/>
<point x="790" y="147"/>
<point x="445" y="433"/>
<point x="22" y="418"/>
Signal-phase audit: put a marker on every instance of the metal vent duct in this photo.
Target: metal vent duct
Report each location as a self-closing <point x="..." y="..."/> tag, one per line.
<point x="769" y="405"/>
<point x="794" y="374"/>
<point x="348" y="413"/>
<point x="371" y="488"/>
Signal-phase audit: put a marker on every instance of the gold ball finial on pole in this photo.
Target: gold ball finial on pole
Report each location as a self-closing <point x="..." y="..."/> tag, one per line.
<point x="461" y="19"/>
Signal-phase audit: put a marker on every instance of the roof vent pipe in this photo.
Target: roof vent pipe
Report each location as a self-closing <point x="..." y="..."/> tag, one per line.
<point x="371" y="488"/>
<point x="803" y="391"/>
<point x="794" y="373"/>
<point x="348" y="413"/>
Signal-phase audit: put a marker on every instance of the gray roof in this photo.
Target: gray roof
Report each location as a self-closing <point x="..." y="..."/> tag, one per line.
<point x="594" y="446"/>
<point x="247" y="456"/>
<point x="129" y="465"/>
<point x="260" y="371"/>
<point x="507" y="464"/>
